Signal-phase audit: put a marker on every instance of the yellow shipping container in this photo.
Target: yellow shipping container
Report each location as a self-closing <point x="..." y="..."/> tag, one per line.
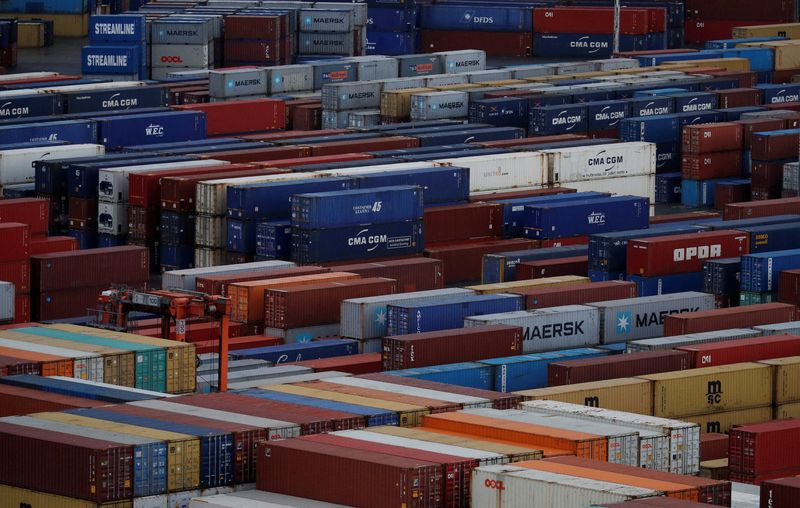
<point x="30" y="35"/>
<point x="703" y="391"/>
<point x="509" y="287"/>
<point x="64" y="25"/>
<point x="784" y="411"/>
<point x="181" y="356"/>
<point x="397" y="103"/>
<point x="790" y="30"/>
<point x="409" y="415"/>
<point x="786" y="53"/>
<point x="786" y="378"/>
<point x="511" y="452"/>
<point x="632" y="395"/>
<point x="183" y="452"/>
<point x="119" y="365"/>
<point x="15" y="497"/>
<point x="729" y="64"/>
<point x="722" y="421"/>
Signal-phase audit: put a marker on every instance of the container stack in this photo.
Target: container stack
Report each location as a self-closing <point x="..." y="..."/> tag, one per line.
<point x="712" y="155"/>
<point x="760" y="275"/>
<point x="339" y="30"/>
<point x="238" y="84"/>
<point x="762" y="451"/>
<point x="17" y="238"/>
<point x="721" y="278"/>
<point x="392" y="29"/>
<point x="263" y="39"/>
<point x="70" y="18"/>
<point x="770" y="152"/>
<point x="711" y="20"/>
<point x="341" y="100"/>
<point x="178" y="45"/>
<point x="117" y="49"/>
<point x="8" y="42"/>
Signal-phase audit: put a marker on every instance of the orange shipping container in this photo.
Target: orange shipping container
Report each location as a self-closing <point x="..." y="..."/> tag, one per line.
<point x="589" y="446"/>
<point x="247" y="298"/>
<point x="675" y="490"/>
<point x="51" y="365"/>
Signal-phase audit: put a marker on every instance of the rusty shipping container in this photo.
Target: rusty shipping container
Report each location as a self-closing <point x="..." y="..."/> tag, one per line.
<point x="753" y="209"/>
<point x="75" y="269"/>
<point x="539" y="298"/>
<point x="575" y="265"/>
<point x="616" y="366"/>
<point x="665" y="255"/>
<point x="411" y="274"/>
<point x="463" y="261"/>
<point x="733" y="317"/>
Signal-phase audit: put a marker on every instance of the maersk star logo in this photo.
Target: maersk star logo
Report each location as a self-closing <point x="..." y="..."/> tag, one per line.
<point x="623" y="322"/>
<point x="380" y="316"/>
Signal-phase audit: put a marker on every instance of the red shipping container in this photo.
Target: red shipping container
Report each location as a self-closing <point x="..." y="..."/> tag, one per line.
<point x="767" y="173"/>
<point x="306" y="117"/>
<point x="713" y="446"/>
<point x="69" y="303"/>
<point x="321" y="159"/>
<point x="82" y="212"/>
<point x="751" y="126"/>
<point x="665" y="255"/>
<point x="683" y="217"/>
<point x="698" y="31"/>
<point x="530" y="193"/>
<point x="31" y="211"/>
<point x="257" y="51"/>
<point x="712" y="137"/>
<point x="592" y="20"/>
<point x="738" y="97"/>
<point x="788" y="286"/>
<point x="318" y="304"/>
<point x="15" y="400"/>
<point x="712" y="165"/>
<point x="22" y="308"/>
<point x="93" y="267"/>
<point x="354" y="364"/>
<point x="366" y="145"/>
<point x="777" y="146"/>
<point x="65" y="464"/>
<point x="16" y="241"/>
<point x="178" y="193"/>
<point x="49" y="244"/>
<point x="742" y="350"/>
<point x="769" y="208"/>
<point x="747" y="80"/>
<point x="218" y="284"/>
<point x="539" y="298"/>
<point x="616" y="366"/>
<point x="383" y="480"/>
<point x="269" y="153"/>
<point x="234" y="117"/>
<point x="311" y="420"/>
<point x="12" y="365"/>
<point x="576" y="265"/>
<point x="463" y="261"/>
<point x="499" y="400"/>
<point x="493" y="43"/>
<point x="411" y="274"/>
<point x="451" y="346"/>
<point x="463" y="222"/>
<point x="771" y="448"/>
<point x="733" y="317"/>
<point x="780" y="493"/>
<point x="775" y="11"/>
<point x="142" y="224"/>
<point x="562" y="242"/>
<point x="730" y="193"/>
<point x="241" y="26"/>
<point x="18" y="273"/>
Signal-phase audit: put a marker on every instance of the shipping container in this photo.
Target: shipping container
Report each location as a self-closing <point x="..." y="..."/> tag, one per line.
<point x="416" y="390"/>
<point x="16" y="166"/>
<point x="763" y="451"/>
<point x="723" y="421"/>
<point x="616" y="366"/>
<point x="412" y="274"/>
<point x="632" y="395"/>
<point x="185" y="279"/>
<point x="501" y="267"/>
<point x="780" y="493"/>
<point x="539" y="298"/>
<point x="709" y="320"/>
<point x="742" y="350"/>
<point x="678" y="341"/>
<point x="65" y="270"/>
<point x="560" y="220"/>
<point x="431" y="316"/>
<point x="682" y="253"/>
<point x="300" y="351"/>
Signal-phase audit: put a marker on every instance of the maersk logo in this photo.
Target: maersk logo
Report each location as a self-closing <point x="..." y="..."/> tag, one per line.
<point x="244" y="82"/>
<point x="553" y="331"/>
<point x="339" y="21"/>
<point x="358" y="95"/>
<point x="596" y="218"/>
<point x="624" y="322"/>
<point x="325" y="42"/>
<point x="154" y="130"/>
<point x="466" y="63"/>
<point x="181" y="33"/>
<point x="448" y="105"/>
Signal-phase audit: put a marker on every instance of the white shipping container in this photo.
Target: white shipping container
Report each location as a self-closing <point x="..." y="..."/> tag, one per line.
<point x="184" y="498"/>
<point x="615" y="160"/>
<point x="375" y="67"/>
<point x="211" y="231"/>
<point x="509" y="486"/>
<point x="491" y="75"/>
<point x="113" y="182"/>
<point x="351" y="95"/>
<point x="16" y="166"/>
<point x="86" y="87"/>
<point x="112" y="218"/>
<point x="790" y="328"/>
<point x="181" y="55"/>
<point x="401" y="83"/>
<point x="86" y="365"/>
<point x="684" y="436"/>
<point x="675" y="341"/>
<point x="572" y="67"/>
<point x="27" y="75"/>
<point x="185" y="73"/>
<point x="253" y="499"/>
<point x="464" y="400"/>
<point x="643" y="186"/>
<point x="212" y="195"/>
<point x="503" y="171"/>
<point x="288" y="379"/>
<point x="444" y="80"/>
<point x="7" y="294"/>
<point x="614" y="64"/>
<point x="531" y="71"/>
<point x="185" y="279"/>
<point x="568" y="326"/>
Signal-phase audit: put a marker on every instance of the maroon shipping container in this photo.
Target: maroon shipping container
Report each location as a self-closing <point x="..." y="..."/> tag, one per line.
<point x="776" y="146"/>
<point x="535" y="140"/>
<point x="178" y="193"/>
<point x="730" y="193"/>
<point x="312" y="420"/>
<point x="742" y="350"/>
<point x="456" y="471"/>
<point x="539" y="298"/>
<point x="575" y="265"/>
<point x="237" y="258"/>
<point x="530" y="193"/>
<point x="70" y="303"/>
<point x="218" y="284"/>
<point x="451" y="346"/>
<point x="683" y="217"/>
<point x="734" y="317"/>
<point x="142" y="224"/>
<point x="784" y="76"/>
<point x="257" y="51"/>
<point x="788" y="286"/>
<point x="748" y="209"/>
<point x="665" y="255"/>
<point x="763" y="192"/>
<point x="592" y="20"/>
<point x="712" y="165"/>
<point x="616" y="366"/>
<point x="322" y="159"/>
<point x="493" y="43"/>
<point x="269" y="153"/>
<point x="747" y="80"/>
<point x="411" y="274"/>
<point x="212" y="346"/>
<point x="713" y="492"/>
<point x="764" y="449"/>
<point x="751" y="126"/>
<point x="787" y="111"/>
<point x="291" y="134"/>
<point x="767" y="173"/>
<point x="738" y="97"/>
<point x="366" y="363"/>
<point x="712" y="137"/>
<point x="363" y="145"/>
<point x="561" y="242"/>
<point x="18" y="273"/>
<point x="15" y="400"/>
<point x="241" y="116"/>
<point x="256" y="27"/>
<point x="463" y="261"/>
<point x="50" y="244"/>
<point x="713" y="446"/>
<point x="16" y="241"/>
<point x="698" y="31"/>
<point x="498" y="400"/>
<point x="776" y="11"/>
<point x="66" y="465"/>
<point x="380" y="479"/>
<point x="306" y="117"/>
<point x="463" y="222"/>
<point x="318" y="304"/>
<point x="82" y="213"/>
<point x="780" y="493"/>
<point x="31" y="211"/>
<point x="22" y="308"/>
<point x="65" y="270"/>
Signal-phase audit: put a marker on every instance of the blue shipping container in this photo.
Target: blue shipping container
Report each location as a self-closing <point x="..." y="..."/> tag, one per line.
<point x="177" y="228"/>
<point x="72" y="131"/>
<point x="116" y="99"/>
<point x="469" y="374"/>
<point x="273" y="200"/>
<point x="357" y="242"/>
<point x="651" y="106"/>
<point x="389" y="43"/>
<point x="470" y="136"/>
<point x="776" y="94"/>
<point x="300" y="351"/>
<point x="698" y="193"/>
<point x="24" y="106"/>
<point x="693" y="102"/>
<point x="49" y="7"/>
<point x="82" y="178"/>
<point x="578" y="218"/>
<point x="377" y="205"/>
<point x="653" y="129"/>
<point x="584" y="45"/>
<point x="422" y="317"/>
<point x="774" y="237"/>
<point x="539" y="101"/>
<point x="144" y="129"/>
<point x="75" y="389"/>
<point x="514" y="209"/>
<point x="526" y="372"/>
<point x="731" y="43"/>
<point x="176" y="257"/>
<point x="475" y="17"/>
<point x="501" y="112"/>
<point x="668" y="284"/>
<point x="274" y="240"/>
<point x="557" y="119"/>
<point x="440" y="184"/>
<point x="668" y="187"/>
<point x="113" y="59"/>
<point x="502" y="267"/>
<point x="392" y="19"/>
<point x="606" y="114"/>
<point x="760" y="271"/>
<point x="117" y="28"/>
<point x="748" y="223"/>
<point x="721" y="276"/>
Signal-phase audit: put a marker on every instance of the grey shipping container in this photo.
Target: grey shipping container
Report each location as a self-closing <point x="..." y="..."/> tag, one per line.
<point x="572" y="67"/>
<point x="492" y="75"/>
<point x="181" y="32"/>
<point x="643" y="318"/>
<point x="402" y="83"/>
<point x="439" y="105"/>
<point x="564" y="327"/>
<point x="185" y="279"/>
<point x="211" y="231"/>
<point x="326" y="44"/>
<point x="364" y="118"/>
<point x="333" y="119"/>
<point x="375" y="67"/>
<point x="290" y="78"/>
<point x="465" y="60"/>
<point x="181" y="55"/>
<point x="675" y="341"/>
<point x="326" y="20"/>
<point x="359" y="10"/>
<point x="353" y="95"/>
<point x="238" y="82"/>
<point x="333" y="72"/>
<point x="532" y="71"/>
<point x="790" y="328"/>
<point x="446" y="80"/>
<point x="6" y="301"/>
<point x="419" y="65"/>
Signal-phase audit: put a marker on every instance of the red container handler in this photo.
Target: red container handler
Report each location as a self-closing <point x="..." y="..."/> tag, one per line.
<point x="411" y="274"/>
<point x="76" y="269"/>
<point x="311" y="420"/>
<point x="530" y="193"/>
<point x="451" y="346"/>
<point x="665" y="255"/>
<point x="456" y="471"/>
<point x="539" y="298"/>
<point x="751" y="126"/>
<point x="318" y="304"/>
<point x="381" y="479"/>
<point x="733" y="317"/>
<point x="18" y="273"/>
<point x="365" y="363"/>
<point x="575" y="265"/>
<point x="493" y="43"/>
<point x="742" y="350"/>
<point x="748" y="209"/>
<point x="15" y="400"/>
<point x="684" y="217"/>
<point x="616" y="366"/>
<point x="764" y="450"/>
<point x="363" y="145"/>
<point x="31" y="211"/>
<point x="592" y="20"/>
<point x="67" y="465"/>
<point x="463" y="222"/>
<point x="463" y="261"/>
<point x="50" y="244"/>
<point x="713" y="446"/>
<point x="712" y="137"/>
<point x="738" y="97"/>
<point x="269" y="153"/>
<point x="497" y="400"/>
<point x="709" y="165"/>
<point x="778" y="146"/>
<point x="780" y="493"/>
<point x="16" y="238"/>
<point x="235" y="117"/>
